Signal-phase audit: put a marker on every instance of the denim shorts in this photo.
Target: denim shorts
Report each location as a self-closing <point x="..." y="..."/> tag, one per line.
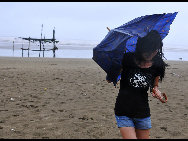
<point x="139" y="123"/>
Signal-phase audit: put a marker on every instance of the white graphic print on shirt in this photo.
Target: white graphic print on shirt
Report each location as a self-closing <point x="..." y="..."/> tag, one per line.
<point x="139" y="79"/>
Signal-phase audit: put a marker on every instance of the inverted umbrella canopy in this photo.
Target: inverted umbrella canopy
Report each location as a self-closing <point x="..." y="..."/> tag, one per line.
<point x="109" y="53"/>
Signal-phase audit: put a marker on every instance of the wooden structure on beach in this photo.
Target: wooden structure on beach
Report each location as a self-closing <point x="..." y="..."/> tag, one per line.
<point x="41" y="41"/>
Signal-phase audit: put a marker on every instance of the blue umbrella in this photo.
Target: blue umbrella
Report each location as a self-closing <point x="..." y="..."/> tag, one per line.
<point x="108" y="54"/>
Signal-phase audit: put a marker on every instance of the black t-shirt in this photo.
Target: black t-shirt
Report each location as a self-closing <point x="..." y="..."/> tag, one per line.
<point x="132" y="100"/>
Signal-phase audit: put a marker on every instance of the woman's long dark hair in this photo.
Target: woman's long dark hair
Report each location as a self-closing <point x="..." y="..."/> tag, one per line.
<point x="150" y="43"/>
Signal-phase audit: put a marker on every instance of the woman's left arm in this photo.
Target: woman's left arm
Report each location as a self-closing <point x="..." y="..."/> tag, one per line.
<point x="155" y="83"/>
<point x="155" y="86"/>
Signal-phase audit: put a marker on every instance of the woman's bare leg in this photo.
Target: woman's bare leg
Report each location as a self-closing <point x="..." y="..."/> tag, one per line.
<point x="128" y="132"/>
<point x="142" y="133"/>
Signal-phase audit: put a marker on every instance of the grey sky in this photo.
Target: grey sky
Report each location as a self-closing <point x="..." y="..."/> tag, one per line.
<point x="85" y="20"/>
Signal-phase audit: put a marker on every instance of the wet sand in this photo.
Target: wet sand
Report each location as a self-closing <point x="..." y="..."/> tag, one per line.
<point x="49" y="98"/>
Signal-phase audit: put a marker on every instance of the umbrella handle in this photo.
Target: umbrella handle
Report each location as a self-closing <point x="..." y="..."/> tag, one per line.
<point x="163" y="101"/>
<point x="108" y="28"/>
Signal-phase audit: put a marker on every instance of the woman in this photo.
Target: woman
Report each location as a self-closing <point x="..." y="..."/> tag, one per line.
<point x="140" y="70"/>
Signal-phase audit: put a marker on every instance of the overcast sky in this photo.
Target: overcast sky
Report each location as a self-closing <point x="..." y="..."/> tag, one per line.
<point x="86" y="20"/>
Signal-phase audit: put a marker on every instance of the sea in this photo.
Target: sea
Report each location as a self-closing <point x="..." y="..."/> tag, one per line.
<point x="11" y="47"/>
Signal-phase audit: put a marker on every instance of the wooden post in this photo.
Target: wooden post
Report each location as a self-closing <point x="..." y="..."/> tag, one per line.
<point x="40" y="45"/>
<point x="53" y="53"/>
<point x="29" y="46"/>
<point x="13" y="46"/>
<point x="22" y="42"/>
<point x="54" y="43"/>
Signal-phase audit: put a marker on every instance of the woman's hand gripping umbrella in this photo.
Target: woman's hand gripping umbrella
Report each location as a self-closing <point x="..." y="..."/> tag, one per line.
<point x="163" y="101"/>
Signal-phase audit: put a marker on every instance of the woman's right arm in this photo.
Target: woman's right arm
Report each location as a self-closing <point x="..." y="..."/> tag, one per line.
<point x="125" y="61"/>
<point x="107" y="76"/>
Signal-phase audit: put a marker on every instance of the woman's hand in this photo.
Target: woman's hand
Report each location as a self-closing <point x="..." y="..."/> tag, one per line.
<point x="108" y="81"/>
<point x="157" y="94"/>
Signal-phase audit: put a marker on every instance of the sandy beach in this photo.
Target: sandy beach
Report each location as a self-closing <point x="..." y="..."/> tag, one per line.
<point x="58" y="98"/>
